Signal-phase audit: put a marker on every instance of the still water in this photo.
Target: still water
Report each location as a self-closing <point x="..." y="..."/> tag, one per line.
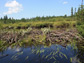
<point x="40" y="54"/>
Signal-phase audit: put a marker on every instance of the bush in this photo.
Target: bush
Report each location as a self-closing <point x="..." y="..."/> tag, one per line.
<point x="81" y="30"/>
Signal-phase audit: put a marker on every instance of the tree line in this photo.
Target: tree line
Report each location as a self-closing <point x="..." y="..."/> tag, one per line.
<point x="6" y="20"/>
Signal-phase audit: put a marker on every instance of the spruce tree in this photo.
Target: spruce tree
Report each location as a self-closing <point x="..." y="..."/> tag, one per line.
<point x="5" y="19"/>
<point x="72" y="12"/>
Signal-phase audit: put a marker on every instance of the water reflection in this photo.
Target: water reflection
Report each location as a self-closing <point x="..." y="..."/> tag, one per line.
<point x="40" y="54"/>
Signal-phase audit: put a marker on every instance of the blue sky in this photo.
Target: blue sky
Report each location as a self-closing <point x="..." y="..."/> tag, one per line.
<point x="32" y="8"/>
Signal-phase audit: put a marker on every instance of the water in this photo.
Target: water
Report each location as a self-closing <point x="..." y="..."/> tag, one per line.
<point x="40" y="54"/>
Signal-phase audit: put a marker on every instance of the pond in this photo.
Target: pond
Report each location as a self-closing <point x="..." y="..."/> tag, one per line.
<point x="40" y="54"/>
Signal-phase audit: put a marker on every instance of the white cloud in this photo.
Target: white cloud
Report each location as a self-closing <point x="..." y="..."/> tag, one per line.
<point x="65" y="2"/>
<point x="13" y="7"/>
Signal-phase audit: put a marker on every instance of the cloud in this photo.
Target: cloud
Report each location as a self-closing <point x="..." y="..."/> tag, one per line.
<point x="13" y="7"/>
<point x="65" y="2"/>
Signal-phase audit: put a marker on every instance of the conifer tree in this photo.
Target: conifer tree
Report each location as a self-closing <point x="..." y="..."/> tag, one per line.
<point x="72" y="12"/>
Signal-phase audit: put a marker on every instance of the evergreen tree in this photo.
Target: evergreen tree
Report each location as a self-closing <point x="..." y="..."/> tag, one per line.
<point x="23" y="20"/>
<point x="5" y="19"/>
<point x="1" y="18"/>
<point x="65" y="16"/>
<point x="72" y="12"/>
<point x="80" y="14"/>
<point x="10" y="18"/>
<point x="43" y="18"/>
<point x="75" y="12"/>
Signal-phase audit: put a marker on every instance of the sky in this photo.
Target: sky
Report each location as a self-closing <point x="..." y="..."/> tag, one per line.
<point x="31" y="8"/>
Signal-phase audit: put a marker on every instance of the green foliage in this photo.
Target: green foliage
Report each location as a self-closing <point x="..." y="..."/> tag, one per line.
<point x="80" y="13"/>
<point x="81" y="29"/>
<point x="80" y="18"/>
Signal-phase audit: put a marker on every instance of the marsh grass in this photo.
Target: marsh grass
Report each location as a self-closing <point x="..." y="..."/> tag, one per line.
<point x="40" y="24"/>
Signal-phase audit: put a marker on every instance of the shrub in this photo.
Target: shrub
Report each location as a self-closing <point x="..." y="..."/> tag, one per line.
<point x="81" y="29"/>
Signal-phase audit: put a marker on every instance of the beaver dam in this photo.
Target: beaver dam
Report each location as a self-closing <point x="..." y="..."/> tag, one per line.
<point x="47" y="44"/>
